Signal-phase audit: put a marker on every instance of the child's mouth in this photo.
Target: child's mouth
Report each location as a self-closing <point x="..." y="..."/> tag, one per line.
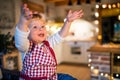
<point x="41" y="35"/>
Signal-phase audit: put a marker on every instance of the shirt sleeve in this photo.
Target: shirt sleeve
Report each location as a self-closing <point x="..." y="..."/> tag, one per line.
<point x="21" y="40"/>
<point x="55" y="39"/>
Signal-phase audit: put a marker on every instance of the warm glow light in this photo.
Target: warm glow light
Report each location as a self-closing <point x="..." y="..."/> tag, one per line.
<point x="96" y="71"/>
<point x="101" y="74"/>
<point x="118" y="5"/>
<point x="117" y="75"/>
<point x="119" y="17"/>
<point x="96" y="14"/>
<point x="118" y="57"/>
<point x="97" y="6"/>
<point x="106" y="75"/>
<point x="53" y="29"/>
<point x="65" y="19"/>
<point x="59" y="29"/>
<point x="97" y="29"/>
<point x="89" y="60"/>
<point x="99" y="37"/>
<point x="109" y="6"/>
<point x="104" y="6"/>
<point x="47" y="27"/>
<point x="112" y="78"/>
<point x="114" y="6"/>
<point x="91" y="67"/>
<point x="96" y="22"/>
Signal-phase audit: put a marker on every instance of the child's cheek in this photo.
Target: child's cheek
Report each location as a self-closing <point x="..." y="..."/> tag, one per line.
<point x="31" y="35"/>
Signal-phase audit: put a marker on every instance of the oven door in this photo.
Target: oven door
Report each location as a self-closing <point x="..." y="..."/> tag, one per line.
<point x="75" y="50"/>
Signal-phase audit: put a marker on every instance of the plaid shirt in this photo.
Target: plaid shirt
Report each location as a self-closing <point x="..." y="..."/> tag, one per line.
<point x="39" y="62"/>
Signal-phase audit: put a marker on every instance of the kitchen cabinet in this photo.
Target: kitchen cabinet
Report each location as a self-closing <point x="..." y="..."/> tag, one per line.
<point x="76" y="51"/>
<point x="115" y="65"/>
<point x="104" y="62"/>
<point x="58" y="52"/>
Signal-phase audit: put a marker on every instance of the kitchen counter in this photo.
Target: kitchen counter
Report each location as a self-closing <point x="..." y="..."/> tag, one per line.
<point x="114" y="48"/>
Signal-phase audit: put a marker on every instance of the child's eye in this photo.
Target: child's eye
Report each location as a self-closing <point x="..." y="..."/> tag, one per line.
<point x="42" y="26"/>
<point x="35" y="27"/>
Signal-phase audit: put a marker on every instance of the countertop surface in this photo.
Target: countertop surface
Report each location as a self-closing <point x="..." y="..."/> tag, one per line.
<point x="114" y="48"/>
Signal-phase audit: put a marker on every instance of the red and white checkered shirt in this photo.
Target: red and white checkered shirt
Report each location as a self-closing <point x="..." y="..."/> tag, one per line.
<point x="39" y="62"/>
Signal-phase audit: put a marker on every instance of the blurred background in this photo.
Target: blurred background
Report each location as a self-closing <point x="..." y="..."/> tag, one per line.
<point x="91" y="51"/>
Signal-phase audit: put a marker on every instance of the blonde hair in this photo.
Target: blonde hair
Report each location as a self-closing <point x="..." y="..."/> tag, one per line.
<point x="36" y="17"/>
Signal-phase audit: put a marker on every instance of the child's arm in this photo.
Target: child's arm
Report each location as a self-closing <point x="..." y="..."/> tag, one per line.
<point x="25" y="17"/>
<point x="56" y="38"/>
<point x="70" y="17"/>
<point x="22" y="31"/>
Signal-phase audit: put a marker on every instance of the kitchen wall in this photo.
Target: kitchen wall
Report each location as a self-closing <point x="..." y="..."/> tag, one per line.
<point x="59" y="11"/>
<point x="17" y="13"/>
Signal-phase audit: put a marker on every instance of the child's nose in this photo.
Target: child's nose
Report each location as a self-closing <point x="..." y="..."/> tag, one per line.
<point x="40" y="28"/>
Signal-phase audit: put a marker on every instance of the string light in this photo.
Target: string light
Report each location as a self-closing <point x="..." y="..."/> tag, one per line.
<point x="96" y="14"/>
<point x="118" y="57"/>
<point x="118" y="5"/>
<point x="106" y="75"/>
<point x="90" y="60"/>
<point x="114" y="5"/>
<point x="101" y="74"/>
<point x="104" y="6"/>
<point x="118" y="17"/>
<point x="91" y="67"/>
<point x="97" y="6"/>
<point x="117" y="75"/>
<point x="109" y="6"/>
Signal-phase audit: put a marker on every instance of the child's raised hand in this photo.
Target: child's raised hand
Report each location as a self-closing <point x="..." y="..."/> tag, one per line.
<point x="25" y="17"/>
<point x="74" y="15"/>
<point x="26" y="13"/>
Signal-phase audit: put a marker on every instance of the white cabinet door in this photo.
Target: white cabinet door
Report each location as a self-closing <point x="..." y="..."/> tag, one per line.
<point x="58" y="52"/>
<point x="69" y="56"/>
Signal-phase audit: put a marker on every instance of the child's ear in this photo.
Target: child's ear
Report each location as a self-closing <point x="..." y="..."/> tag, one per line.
<point x="29" y="37"/>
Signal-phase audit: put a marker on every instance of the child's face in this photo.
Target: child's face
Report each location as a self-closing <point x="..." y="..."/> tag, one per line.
<point x="38" y="32"/>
